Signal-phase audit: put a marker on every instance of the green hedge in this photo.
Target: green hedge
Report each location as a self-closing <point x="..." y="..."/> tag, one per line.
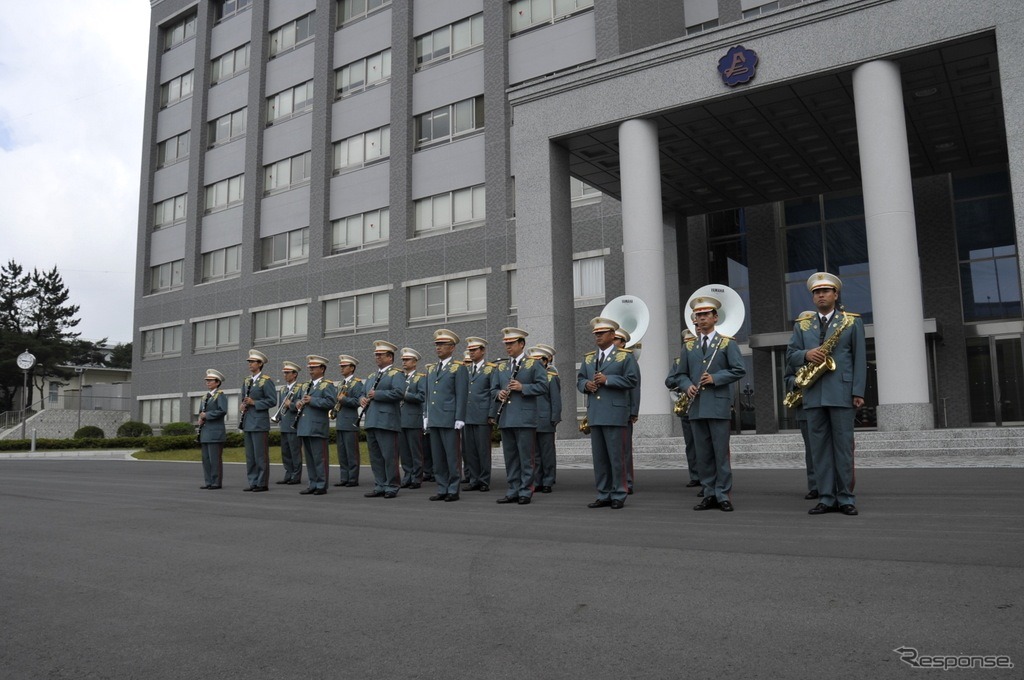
<point x="134" y="428"/>
<point x="177" y="429"/>
<point x="89" y="432"/>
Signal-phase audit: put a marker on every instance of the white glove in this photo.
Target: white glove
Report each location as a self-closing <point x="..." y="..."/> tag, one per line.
<point x="459" y="424"/>
<point x="424" y="423"/>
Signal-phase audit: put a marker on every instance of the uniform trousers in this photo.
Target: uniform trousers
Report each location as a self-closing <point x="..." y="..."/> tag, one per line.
<point x="812" y="483"/>
<point x="629" y="458"/>
<point x="384" y="459"/>
<point x="711" y="437"/>
<point x="291" y="456"/>
<point x="318" y="454"/>
<point x="213" y="463"/>
<point x="519" y="444"/>
<point x="257" y="458"/>
<point x="690" y="449"/>
<point x="476" y="447"/>
<point x="411" y="443"/>
<point x="831" y="433"/>
<point x="348" y="456"/>
<point x="446" y="448"/>
<point x="608" y="448"/>
<point x="545" y="459"/>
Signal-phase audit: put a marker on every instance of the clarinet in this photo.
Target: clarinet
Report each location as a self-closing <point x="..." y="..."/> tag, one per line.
<point x="501" y="406"/>
<point x="241" y="419"/>
<point x="202" y="410"/>
<point x="376" y="382"/>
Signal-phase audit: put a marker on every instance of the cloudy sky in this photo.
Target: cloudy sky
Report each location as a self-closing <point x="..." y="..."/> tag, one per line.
<point x="72" y="81"/>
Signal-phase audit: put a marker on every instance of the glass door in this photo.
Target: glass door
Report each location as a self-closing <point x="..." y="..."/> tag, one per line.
<point x="995" y="370"/>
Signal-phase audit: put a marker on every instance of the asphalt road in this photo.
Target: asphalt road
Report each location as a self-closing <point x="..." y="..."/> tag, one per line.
<point x="115" y="569"/>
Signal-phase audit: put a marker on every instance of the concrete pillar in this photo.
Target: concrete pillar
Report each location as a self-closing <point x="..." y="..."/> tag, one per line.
<point x="892" y="249"/>
<point x="643" y="251"/>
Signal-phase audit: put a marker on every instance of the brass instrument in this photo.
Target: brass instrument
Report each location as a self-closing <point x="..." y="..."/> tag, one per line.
<point x="810" y="373"/>
<point x="682" y="404"/>
<point x="276" y="418"/>
<point x="585" y="425"/>
<point x="333" y="413"/>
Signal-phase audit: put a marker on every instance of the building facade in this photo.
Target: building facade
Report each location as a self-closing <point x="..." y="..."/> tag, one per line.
<point x="321" y="173"/>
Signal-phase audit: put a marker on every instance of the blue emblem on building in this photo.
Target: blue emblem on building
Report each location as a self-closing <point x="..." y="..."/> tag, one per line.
<point x="738" y="66"/>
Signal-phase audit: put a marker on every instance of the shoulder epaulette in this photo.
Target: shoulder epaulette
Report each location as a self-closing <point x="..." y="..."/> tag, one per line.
<point x="393" y="372"/>
<point x="806" y="315"/>
<point x="626" y="350"/>
<point x="589" y="354"/>
<point x="552" y="374"/>
<point x="492" y="364"/>
<point x="727" y="337"/>
<point x="529" y="363"/>
<point x="454" y="367"/>
<point x="327" y="382"/>
<point x="853" y="314"/>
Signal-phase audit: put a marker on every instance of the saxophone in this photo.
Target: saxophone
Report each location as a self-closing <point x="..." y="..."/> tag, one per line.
<point x="810" y="373"/>
<point x="333" y="413"/>
<point x="682" y="404"/>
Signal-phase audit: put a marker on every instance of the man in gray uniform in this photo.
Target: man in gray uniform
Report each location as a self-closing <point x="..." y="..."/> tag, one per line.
<point x="801" y="420"/>
<point x="291" y="450"/>
<point x="689" y="448"/>
<point x="383" y="420"/>
<point x="622" y="338"/>
<point x="258" y="396"/>
<point x="606" y="376"/>
<point x="705" y="372"/>
<point x="476" y="435"/>
<point x="211" y="430"/>
<point x="346" y="428"/>
<point x="411" y="441"/>
<point x="517" y="382"/>
<point x="445" y="414"/>
<point x="549" y="414"/>
<point x="311" y="406"/>
<point x="831" y="402"/>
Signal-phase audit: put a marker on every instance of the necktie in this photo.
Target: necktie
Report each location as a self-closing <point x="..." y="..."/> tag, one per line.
<point x="600" y="360"/>
<point x="473" y="371"/>
<point x="704" y="345"/>
<point x="822" y="330"/>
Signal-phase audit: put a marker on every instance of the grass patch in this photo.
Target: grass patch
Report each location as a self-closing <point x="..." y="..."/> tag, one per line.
<point x="237" y="455"/>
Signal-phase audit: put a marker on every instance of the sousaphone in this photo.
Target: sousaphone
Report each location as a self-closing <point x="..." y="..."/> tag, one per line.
<point x="730" y="314"/>
<point x="632" y="315"/>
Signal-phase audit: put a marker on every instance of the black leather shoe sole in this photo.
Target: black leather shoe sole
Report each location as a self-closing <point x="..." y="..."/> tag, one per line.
<point x="599" y="504"/>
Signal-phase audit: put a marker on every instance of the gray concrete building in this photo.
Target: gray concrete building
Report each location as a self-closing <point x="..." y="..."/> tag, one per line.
<point x="321" y="173"/>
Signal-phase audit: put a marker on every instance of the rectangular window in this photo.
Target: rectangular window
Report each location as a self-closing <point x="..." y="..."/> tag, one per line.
<point x="223" y="263"/>
<point x="161" y="342"/>
<point x="581" y="191"/>
<point x="350" y="10"/>
<point x="234" y="402"/>
<point x="170" y="211"/>
<point x="447" y="299"/>
<point x="291" y="35"/>
<point x="229" y="8"/>
<point x="281" y="324"/>
<point x="160" y="411"/>
<point x="750" y="12"/>
<point x="588" y="281"/>
<point x="529" y="13"/>
<point x="292" y="102"/>
<point x="449" y="211"/>
<point x="54" y="392"/>
<point x="167" y="276"/>
<point x="513" y="297"/>
<point x="227" y="127"/>
<point x="359" y="150"/>
<point x="287" y="173"/>
<point x="449" y="41"/>
<point x="179" y="32"/>
<point x="176" y="89"/>
<point x="172" y="150"/>
<point x="449" y="122"/>
<point x="363" y="73"/>
<point x="356" y="313"/>
<point x="287" y="248"/>
<point x="215" y="334"/>
<point x="360" y="231"/>
<point x="228" y="64"/>
<point x="700" y="15"/>
<point x="224" y="193"/>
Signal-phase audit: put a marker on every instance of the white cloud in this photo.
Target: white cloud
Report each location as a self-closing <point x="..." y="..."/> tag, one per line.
<point x="72" y="83"/>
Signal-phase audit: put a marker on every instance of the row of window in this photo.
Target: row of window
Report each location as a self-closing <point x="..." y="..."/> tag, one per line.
<point x="440" y="301"/>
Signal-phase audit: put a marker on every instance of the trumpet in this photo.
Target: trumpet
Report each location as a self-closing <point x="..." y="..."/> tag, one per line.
<point x="333" y="413"/>
<point x="276" y="418"/>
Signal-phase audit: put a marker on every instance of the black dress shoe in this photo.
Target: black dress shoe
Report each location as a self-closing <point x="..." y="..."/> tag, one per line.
<point x="700" y="494"/>
<point x="600" y="503"/>
<point x="725" y="506"/>
<point x="249" y="488"/>
<point x="319" y="492"/>
<point x="618" y="505"/>
<point x="452" y="497"/>
<point x="415" y="485"/>
<point x="260" y="488"/>
<point x="294" y="481"/>
<point x="213" y="486"/>
<point x="821" y="509"/>
<point x="544" y="489"/>
<point x="406" y="485"/>
<point x="483" y="488"/>
<point x="205" y="486"/>
<point x="523" y="500"/>
<point x="507" y="499"/>
<point x="848" y="509"/>
<point x="351" y="483"/>
<point x="708" y="503"/>
<point x="373" y="494"/>
<point x="693" y="482"/>
<point x="390" y="494"/>
<point x="811" y="495"/>
<point x="438" y="497"/>
<point x="307" y="492"/>
<point x="341" y="484"/>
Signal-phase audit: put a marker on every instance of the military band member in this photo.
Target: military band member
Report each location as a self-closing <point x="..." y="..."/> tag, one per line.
<point x="476" y="435"/>
<point x="258" y="396"/>
<point x="346" y="425"/>
<point x="621" y="339"/>
<point x="411" y="441"/>
<point x="517" y="382"/>
<point x="382" y="420"/>
<point x="672" y="383"/>
<point x="706" y="371"/>
<point x="212" y="432"/>
<point x="831" y="402"/>
<point x="549" y="414"/>
<point x="445" y="414"/>
<point x="291" y="450"/>
<point x="606" y="377"/>
<point x="314" y="401"/>
<point x="801" y="421"/>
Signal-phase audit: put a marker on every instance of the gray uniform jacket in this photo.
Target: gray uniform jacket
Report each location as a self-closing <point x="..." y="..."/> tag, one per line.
<point x="481" y="394"/>
<point x="521" y="407"/>
<point x="314" y="422"/>
<point x="610" y="405"/>
<point x="726" y="367"/>
<point x="350" y="393"/>
<point x="446" y="394"/>
<point x="216" y="408"/>
<point x="288" y="414"/>
<point x="849" y="380"/>
<point x="383" y="411"/>
<point x="264" y="394"/>
<point x="414" y="395"/>
<point x="549" y="406"/>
